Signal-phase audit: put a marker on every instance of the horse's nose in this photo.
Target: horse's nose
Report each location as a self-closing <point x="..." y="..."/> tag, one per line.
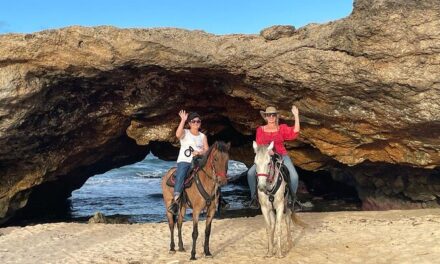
<point x="261" y="187"/>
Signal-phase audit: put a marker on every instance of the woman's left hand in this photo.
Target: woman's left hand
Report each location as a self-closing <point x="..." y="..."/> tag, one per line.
<point x="295" y="110"/>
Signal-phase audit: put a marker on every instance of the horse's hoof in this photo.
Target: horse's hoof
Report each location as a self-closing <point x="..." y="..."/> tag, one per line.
<point x="208" y="255"/>
<point x="193" y="258"/>
<point x="182" y="250"/>
<point x="172" y="251"/>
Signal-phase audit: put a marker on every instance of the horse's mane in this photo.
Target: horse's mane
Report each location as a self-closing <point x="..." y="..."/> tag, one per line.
<point x="221" y="146"/>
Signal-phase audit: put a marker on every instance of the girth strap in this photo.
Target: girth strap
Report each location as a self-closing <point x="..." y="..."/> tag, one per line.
<point x="202" y="191"/>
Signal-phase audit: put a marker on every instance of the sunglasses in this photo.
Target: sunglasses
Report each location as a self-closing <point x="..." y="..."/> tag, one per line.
<point x="271" y="115"/>
<point x="195" y="121"/>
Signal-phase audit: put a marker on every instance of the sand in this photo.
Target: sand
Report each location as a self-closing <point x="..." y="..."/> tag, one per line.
<point x="411" y="236"/>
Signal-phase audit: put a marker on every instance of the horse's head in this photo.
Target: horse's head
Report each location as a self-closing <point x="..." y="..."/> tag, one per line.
<point x="218" y="157"/>
<point x="262" y="162"/>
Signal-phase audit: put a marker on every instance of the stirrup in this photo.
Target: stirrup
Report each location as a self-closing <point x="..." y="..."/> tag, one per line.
<point x="174" y="208"/>
<point x="291" y="201"/>
<point x="224" y="204"/>
<point x="254" y="204"/>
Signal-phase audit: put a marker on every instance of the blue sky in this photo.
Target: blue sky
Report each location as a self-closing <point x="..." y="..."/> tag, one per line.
<point x="215" y="16"/>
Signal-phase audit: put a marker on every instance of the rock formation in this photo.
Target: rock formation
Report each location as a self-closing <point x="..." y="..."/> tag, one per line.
<point x="79" y="101"/>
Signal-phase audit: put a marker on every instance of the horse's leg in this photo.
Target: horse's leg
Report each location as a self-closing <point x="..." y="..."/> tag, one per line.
<point x="209" y="217"/>
<point x="195" y="233"/>
<point x="272" y="228"/>
<point x="168" y="198"/>
<point x="266" y="214"/>
<point x="289" y="228"/>
<point x="278" y="222"/>
<point x="182" y="212"/>
<point x="171" y="223"/>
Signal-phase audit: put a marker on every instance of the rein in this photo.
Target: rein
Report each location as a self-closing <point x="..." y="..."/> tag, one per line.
<point x="211" y="163"/>
<point x="209" y="198"/>
<point x="278" y="180"/>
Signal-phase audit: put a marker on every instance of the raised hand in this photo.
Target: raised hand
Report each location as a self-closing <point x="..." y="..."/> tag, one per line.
<point x="295" y="110"/>
<point x="183" y="115"/>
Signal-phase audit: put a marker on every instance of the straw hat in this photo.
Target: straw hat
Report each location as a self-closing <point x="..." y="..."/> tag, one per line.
<point x="269" y="110"/>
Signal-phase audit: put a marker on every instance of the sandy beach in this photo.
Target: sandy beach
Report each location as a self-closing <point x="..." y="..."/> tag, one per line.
<point x="411" y="236"/>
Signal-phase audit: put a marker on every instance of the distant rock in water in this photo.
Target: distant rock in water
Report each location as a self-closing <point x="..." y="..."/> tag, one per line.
<point x="79" y="101"/>
<point x="100" y="218"/>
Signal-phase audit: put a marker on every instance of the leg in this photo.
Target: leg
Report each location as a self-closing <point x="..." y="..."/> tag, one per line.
<point x="209" y="217"/>
<point x="272" y="230"/>
<point x="195" y="233"/>
<point x="279" y="219"/>
<point x="252" y="181"/>
<point x="266" y="214"/>
<point x="251" y="174"/>
<point x="288" y="227"/>
<point x="171" y="223"/>
<point x="181" y="171"/>
<point x="179" y="226"/>
<point x="293" y="177"/>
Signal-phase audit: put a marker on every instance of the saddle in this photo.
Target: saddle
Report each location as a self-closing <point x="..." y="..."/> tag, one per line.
<point x="189" y="178"/>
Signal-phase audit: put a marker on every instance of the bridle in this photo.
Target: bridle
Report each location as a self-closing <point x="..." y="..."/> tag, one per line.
<point x="265" y="174"/>
<point x="210" y="163"/>
<point x="275" y="184"/>
<point x="214" y="177"/>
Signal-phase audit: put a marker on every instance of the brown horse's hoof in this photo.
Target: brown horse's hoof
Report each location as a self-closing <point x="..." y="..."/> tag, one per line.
<point x="193" y="258"/>
<point x="209" y="255"/>
<point x="182" y="250"/>
<point x="172" y="251"/>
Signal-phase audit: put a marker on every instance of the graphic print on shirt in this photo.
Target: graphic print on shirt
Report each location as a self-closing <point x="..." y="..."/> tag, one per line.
<point x="188" y="144"/>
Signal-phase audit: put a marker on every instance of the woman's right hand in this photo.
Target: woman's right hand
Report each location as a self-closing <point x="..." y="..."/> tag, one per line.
<point x="295" y="111"/>
<point x="183" y="115"/>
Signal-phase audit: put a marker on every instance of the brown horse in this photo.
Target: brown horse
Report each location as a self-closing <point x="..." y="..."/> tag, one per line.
<point x="202" y="193"/>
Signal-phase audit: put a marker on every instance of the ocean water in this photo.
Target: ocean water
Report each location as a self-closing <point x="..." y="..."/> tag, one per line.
<point x="135" y="191"/>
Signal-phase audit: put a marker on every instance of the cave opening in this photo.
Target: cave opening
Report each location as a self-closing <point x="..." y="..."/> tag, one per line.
<point x="132" y="190"/>
<point x="226" y="118"/>
<point x="319" y="192"/>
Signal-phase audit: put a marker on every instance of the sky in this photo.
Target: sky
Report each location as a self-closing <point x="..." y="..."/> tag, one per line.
<point x="215" y="16"/>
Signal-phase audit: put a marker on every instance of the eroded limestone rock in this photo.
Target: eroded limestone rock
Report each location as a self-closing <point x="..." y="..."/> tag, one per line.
<point x="366" y="86"/>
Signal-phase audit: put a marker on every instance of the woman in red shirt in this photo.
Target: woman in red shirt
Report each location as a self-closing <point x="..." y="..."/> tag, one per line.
<point x="272" y="131"/>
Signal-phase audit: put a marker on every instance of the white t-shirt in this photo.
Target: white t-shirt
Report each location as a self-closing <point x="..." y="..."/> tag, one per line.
<point x="189" y="140"/>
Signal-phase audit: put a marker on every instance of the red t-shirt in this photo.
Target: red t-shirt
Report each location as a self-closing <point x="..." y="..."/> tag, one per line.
<point x="278" y="137"/>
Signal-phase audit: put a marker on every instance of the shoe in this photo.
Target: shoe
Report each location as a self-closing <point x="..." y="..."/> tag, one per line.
<point x="254" y="204"/>
<point x="173" y="208"/>
<point x="291" y="202"/>
<point x="224" y="204"/>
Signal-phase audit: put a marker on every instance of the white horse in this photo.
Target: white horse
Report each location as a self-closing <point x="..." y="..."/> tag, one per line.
<point x="272" y="199"/>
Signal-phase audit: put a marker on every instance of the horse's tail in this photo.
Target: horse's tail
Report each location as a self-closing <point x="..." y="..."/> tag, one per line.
<point x="298" y="221"/>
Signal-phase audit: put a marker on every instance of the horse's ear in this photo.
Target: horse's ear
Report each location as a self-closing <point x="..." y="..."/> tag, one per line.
<point x="228" y="146"/>
<point x="270" y="146"/>
<point x="254" y="144"/>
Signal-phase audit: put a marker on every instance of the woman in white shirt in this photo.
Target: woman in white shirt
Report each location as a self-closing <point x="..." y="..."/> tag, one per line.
<point x="192" y="143"/>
